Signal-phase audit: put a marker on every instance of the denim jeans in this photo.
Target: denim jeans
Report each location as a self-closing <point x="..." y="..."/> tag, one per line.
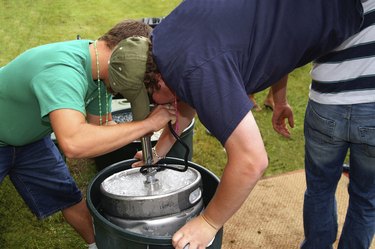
<point x="40" y="175"/>
<point x="330" y="132"/>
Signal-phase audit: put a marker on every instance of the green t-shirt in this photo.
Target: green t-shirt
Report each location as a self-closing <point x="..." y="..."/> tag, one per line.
<point x="41" y="80"/>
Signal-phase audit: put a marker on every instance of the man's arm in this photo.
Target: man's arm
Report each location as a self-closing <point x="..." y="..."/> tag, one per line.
<point x="79" y="139"/>
<point x="247" y="160"/>
<point x="282" y="109"/>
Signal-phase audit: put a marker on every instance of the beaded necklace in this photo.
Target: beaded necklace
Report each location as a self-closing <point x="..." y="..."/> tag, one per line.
<point x="99" y="89"/>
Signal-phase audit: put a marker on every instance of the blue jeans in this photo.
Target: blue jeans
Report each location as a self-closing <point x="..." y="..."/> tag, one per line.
<point x="330" y="132"/>
<point x="40" y="175"/>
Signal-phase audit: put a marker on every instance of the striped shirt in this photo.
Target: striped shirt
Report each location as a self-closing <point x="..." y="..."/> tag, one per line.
<point x="347" y="74"/>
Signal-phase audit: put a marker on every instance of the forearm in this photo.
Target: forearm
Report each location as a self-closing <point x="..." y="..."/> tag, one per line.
<point x="167" y="140"/>
<point x="247" y="160"/>
<point x="279" y="91"/>
<point x="233" y="190"/>
<point x="84" y="143"/>
<point x="79" y="139"/>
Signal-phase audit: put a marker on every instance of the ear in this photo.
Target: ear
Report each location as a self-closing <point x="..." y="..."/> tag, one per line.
<point x="161" y="83"/>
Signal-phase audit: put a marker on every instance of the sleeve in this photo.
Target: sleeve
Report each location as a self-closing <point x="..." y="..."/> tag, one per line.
<point x="55" y="91"/>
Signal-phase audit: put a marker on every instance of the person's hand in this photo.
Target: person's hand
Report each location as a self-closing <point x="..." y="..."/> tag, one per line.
<point x="196" y="234"/>
<point x="280" y="113"/>
<point x="139" y="155"/>
<point x="161" y="115"/>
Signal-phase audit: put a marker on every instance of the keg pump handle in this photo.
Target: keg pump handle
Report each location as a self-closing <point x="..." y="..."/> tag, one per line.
<point x="161" y="166"/>
<point x="187" y="150"/>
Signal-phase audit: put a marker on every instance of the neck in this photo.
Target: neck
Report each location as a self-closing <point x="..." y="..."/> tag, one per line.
<point x="103" y="57"/>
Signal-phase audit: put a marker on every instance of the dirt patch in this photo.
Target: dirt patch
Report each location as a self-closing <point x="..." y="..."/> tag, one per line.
<point x="272" y="215"/>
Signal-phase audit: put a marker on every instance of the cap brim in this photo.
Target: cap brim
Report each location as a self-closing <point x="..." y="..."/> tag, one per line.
<point x="140" y="106"/>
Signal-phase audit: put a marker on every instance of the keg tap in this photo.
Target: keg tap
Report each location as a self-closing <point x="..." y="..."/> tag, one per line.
<point x="150" y="169"/>
<point x="151" y="182"/>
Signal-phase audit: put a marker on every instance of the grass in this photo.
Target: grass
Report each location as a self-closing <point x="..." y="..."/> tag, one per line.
<point x="27" y="23"/>
<point x="284" y="154"/>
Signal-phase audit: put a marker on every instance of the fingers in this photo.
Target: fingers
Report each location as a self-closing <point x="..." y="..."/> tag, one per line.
<point x="278" y="121"/>
<point x="173" y="119"/>
<point x="179" y="241"/>
<point x="172" y="111"/>
<point x="196" y="234"/>
<point x="161" y="115"/>
<point x="169" y="107"/>
<point x="137" y="164"/>
<point x="285" y="133"/>
<point x="291" y="121"/>
<point x="282" y="129"/>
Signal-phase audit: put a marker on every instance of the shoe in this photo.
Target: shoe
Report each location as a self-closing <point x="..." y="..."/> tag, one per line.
<point x="208" y="132"/>
<point x="257" y="108"/>
<point x="268" y="105"/>
<point x="346" y="168"/>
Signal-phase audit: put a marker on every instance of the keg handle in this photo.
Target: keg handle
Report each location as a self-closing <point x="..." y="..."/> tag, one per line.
<point x="160" y="167"/>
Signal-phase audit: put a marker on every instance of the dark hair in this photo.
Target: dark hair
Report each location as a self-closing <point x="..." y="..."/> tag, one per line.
<point x="152" y="70"/>
<point x="125" y="29"/>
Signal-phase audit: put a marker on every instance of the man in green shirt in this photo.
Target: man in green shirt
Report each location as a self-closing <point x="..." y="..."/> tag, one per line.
<point x="65" y="88"/>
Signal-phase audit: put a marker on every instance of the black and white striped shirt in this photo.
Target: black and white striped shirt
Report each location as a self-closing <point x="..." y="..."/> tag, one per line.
<point x="347" y="74"/>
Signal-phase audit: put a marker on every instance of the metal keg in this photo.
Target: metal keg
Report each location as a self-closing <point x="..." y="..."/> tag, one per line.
<point x="156" y="209"/>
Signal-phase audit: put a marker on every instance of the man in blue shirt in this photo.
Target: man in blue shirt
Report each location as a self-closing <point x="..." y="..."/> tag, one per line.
<point x="212" y="54"/>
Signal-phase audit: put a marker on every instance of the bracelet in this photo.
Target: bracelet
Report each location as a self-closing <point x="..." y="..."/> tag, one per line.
<point x="209" y="223"/>
<point x="155" y="154"/>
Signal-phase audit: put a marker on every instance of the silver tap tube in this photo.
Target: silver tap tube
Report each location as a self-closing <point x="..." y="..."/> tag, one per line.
<point x="151" y="180"/>
<point x="147" y="150"/>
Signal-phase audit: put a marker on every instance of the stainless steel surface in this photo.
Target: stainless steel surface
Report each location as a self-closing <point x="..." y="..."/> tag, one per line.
<point x="147" y="149"/>
<point x="151" y="181"/>
<point x="179" y="196"/>
<point x="159" y="226"/>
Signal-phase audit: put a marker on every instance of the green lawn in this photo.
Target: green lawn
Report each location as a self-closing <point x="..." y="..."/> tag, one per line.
<point x="25" y="24"/>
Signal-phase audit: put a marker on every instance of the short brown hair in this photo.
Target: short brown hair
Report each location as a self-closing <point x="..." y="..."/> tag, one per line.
<point x="152" y="70"/>
<point x="125" y="29"/>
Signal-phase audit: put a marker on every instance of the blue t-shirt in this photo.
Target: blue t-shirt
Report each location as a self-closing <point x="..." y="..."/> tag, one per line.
<point x="214" y="53"/>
